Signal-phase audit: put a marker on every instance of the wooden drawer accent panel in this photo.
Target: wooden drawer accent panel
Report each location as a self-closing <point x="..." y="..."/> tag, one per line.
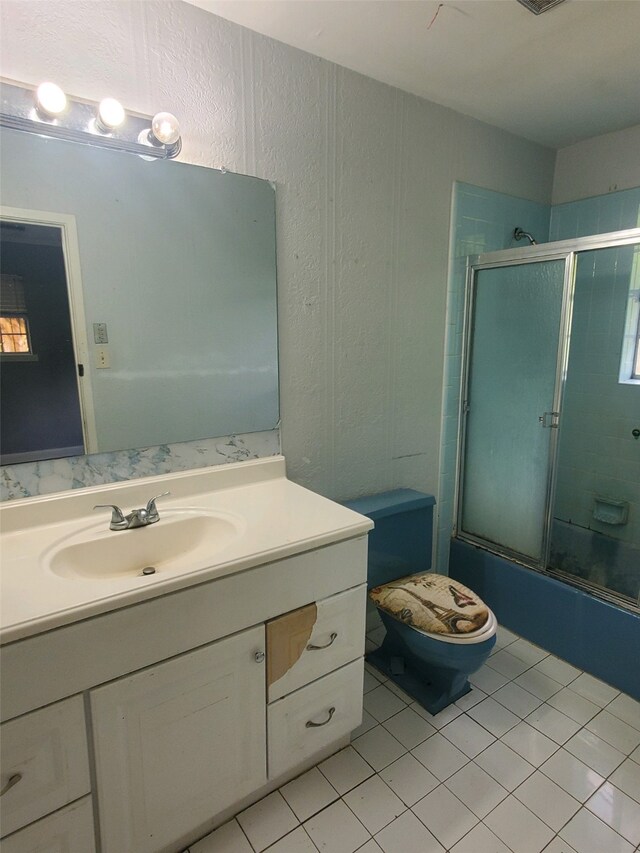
<point x="303" y="722"/>
<point x="287" y="638"/>
<point x="314" y="640"/>
<point x="68" y="831"/>
<point x="45" y="752"/>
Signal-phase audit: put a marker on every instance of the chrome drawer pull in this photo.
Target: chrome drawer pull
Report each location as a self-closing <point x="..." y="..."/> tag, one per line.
<point x="332" y="638"/>
<point x="311" y="725"/>
<point x="13" y="780"/>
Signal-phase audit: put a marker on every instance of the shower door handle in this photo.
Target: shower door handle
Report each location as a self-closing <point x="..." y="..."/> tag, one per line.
<point x="549" y="420"/>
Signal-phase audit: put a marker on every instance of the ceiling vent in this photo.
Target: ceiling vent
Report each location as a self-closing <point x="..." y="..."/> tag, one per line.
<point x="540" y="6"/>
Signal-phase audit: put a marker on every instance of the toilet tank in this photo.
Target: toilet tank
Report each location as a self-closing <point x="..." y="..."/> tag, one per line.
<point x="401" y="541"/>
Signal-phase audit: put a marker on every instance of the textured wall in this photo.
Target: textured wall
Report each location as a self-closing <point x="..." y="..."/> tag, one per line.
<point x="600" y="165"/>
<point x="364" y="179"/>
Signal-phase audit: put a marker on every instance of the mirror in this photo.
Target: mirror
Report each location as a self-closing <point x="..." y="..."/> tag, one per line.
<point x="171" y="282"/>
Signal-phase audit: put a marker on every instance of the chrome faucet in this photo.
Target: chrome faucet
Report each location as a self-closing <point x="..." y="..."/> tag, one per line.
<point x="136" y="518"/>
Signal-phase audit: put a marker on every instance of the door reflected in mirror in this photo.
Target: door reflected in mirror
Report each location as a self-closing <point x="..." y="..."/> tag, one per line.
<point x="40" y="410"/>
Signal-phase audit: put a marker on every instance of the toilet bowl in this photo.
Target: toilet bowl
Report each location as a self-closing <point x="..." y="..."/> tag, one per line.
<point x="431" y="665"/>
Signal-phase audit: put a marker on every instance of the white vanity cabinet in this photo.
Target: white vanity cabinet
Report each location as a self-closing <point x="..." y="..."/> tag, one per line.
<point x="138" y="720"/>
<point x="179" y="742"/>
<point x="184" y="725"/>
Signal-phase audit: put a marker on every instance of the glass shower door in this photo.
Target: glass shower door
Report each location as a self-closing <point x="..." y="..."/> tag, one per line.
<point x="510" y="406"/>
<point x="595" y="530"/>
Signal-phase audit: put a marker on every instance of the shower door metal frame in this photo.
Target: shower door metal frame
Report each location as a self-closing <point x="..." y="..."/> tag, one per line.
<point x="561" y="250"/>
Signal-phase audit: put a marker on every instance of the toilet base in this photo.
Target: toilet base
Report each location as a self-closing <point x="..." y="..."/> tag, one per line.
<point x="434" y="694"/>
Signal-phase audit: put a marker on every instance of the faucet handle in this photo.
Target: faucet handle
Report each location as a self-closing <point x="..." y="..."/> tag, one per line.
<point x="152" y="510"/>
<point x="118" y="521"/>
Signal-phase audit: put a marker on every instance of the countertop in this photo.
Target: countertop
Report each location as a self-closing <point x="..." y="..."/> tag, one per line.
<point x="276" y="519"/>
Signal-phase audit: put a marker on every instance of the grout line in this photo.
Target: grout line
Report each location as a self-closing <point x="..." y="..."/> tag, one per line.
<point x="406" y="809"/>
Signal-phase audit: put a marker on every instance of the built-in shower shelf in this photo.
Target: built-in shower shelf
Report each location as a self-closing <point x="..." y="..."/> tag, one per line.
<point x="609" y="511"/>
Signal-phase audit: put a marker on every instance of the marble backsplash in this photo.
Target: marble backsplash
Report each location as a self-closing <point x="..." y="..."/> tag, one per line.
<point x="57" y="475"/>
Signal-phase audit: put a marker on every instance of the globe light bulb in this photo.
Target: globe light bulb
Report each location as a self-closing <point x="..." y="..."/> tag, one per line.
<point x="111" y="114"/>
<point x="50" y="99"/>
<point x="165" y="128"/>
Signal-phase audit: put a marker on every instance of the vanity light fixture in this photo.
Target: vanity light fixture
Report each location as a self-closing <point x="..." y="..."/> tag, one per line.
<point x="165" y="130"/>
<point x="105" y="124"/>
<point x="51" y="101"/>
<point x="111" y="115"/>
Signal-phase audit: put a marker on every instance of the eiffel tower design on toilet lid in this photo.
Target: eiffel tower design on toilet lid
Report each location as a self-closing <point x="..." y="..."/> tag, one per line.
<point x="431" y="602"/>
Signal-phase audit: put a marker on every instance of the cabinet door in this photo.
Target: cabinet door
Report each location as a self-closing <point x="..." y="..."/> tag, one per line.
<point x="178" y="742"/>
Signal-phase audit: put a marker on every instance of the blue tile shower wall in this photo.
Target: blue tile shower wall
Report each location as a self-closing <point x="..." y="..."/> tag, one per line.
<point x="597" y="454"/>
<point x="596" y="215"/>
<point x="589" y="633"/>
<point x="482" y="221"/>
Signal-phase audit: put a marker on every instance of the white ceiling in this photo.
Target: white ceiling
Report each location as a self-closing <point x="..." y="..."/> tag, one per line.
<point x="568" y="74"/>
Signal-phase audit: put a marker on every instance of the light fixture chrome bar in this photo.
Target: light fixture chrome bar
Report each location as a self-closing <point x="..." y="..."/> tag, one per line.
<point x="18" y="111"/>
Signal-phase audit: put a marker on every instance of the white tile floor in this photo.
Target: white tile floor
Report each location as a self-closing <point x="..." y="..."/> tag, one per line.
<point x="538" y="757"/>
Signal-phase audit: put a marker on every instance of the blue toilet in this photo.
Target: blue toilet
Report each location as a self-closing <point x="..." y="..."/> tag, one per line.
<point x="438" y="631"/>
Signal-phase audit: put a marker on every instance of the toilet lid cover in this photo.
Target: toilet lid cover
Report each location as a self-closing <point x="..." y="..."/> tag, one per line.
<point x="431" y="602"/>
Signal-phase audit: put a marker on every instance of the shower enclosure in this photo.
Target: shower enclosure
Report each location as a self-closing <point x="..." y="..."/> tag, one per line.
<point x="549" y="453"/>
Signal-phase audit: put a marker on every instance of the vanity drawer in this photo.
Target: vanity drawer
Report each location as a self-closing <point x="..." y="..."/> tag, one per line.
<point x="310" y="642"/>
<point x="313" y="717"/>
<point x="44" y="754"/>
<point x="68" y="831"/>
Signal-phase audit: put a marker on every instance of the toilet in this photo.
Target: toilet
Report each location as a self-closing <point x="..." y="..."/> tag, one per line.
<point x="438" y="631"/>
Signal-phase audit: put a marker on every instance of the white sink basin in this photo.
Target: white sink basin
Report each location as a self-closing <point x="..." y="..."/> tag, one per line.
<point x="220" y="520"/>
<point x="181" y="541"/>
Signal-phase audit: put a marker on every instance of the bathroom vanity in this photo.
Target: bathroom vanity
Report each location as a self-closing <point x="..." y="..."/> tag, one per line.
<point x="139" y="711"/>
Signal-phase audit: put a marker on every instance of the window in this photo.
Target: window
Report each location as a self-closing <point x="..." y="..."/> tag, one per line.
<point x="630" y="361"/>
<point x="14" y="324"/>
<point x="14" y="334"/>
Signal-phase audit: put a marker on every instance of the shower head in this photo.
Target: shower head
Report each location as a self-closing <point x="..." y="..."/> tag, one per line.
<point x="519" y="234"/>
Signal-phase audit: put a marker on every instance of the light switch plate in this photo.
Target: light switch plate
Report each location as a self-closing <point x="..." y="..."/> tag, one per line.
<point x="100" y="335"/>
